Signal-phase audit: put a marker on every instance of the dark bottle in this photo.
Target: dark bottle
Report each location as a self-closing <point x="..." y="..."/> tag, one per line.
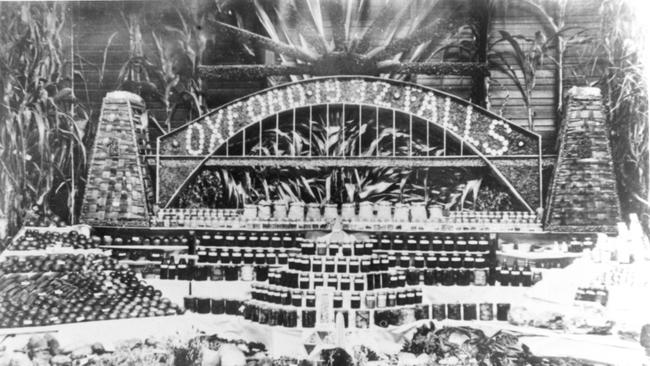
<point x="359" y="283"/>
<point x="236" y="257"/>
<point x="461" y="244"/>
<point x="345" y="283"/>
<point x="526" y="275"/>
<point x="230" y="239"/>
<point x="370" y="280"/>
<point x="296" y="299"/>
<point x="249" y="257"/>
<point x="411" y="242"/>
<point x="260" y="258"/>
<point x="338" y="300"/>
<point x="276" y="240"/>
<point x="398" y="241"/>
<point x="341" y="265"/>
<point x="448" y="243"/>
<point x="329" y="265"/>
<point x="515" y="275"/>
<point x="253" y="239"/>
<point x="424" y="244"/>
<point x="374" y="240"/>
<point x="182" y="270"/>
<point x="282" y="257"/>
<point x="288" y="241"/>
<point x="346" y="249"/>
<point x="429" y="277"/>
<point x="355" y="301"/>
<point x="318" y="280"/>
<point x="203" y="255"/>
<point x="375" y="264"/>
<point x="368" y="247"/>
<point x="401" y="298"/>
<point x="472" y="244"/>
<point x="456" y="261"/>
<point x="365" y="265"/>
<point x="436" y="243"/>
<point x="310" y="299"/>
<point x="219" y="239"/>
<point x="171" y="273"/>
<point x="468" y="262"/>
<point x="413" y="277"/>
<point x="164" y="270"/>
<point x="264" y="240"/>
<point x="359" y="248"/>
<point x="384" y="241"/>
<point x="241" y="240"/>
<point x="503" y="274"/>
<point x="332" y="281"/>
<point x="213" y="256"/>
<point x="384" y="263"/>
<point x="224" y="256"/>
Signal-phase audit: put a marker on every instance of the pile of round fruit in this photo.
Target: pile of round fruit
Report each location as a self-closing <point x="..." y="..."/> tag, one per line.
<point x="33" y="240"/>
<point x="67" y="297"/>
<point x="58" y="263"/>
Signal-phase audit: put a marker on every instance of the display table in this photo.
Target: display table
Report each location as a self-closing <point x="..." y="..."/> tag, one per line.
<point x="291" y="341"/>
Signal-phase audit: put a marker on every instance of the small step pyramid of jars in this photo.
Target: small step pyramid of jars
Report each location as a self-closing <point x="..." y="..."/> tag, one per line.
<point x="333" y="274"/>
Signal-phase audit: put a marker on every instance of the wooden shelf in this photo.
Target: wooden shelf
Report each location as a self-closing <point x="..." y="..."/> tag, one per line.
<point x="165" y="248"/>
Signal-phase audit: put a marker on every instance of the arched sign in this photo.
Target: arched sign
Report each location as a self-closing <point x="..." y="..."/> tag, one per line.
<point x="485" y="133"/>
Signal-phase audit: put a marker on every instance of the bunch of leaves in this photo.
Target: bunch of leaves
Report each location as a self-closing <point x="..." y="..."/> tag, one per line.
<point x="452" y="188"/>
<point x="412" y="32"/>
<point x="42" y="155"/>
<point x="526" y="55"/>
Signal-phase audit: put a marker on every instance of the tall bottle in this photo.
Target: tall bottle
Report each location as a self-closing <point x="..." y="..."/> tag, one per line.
<point x="526" y="275"/>
<point x="515" y="275"/>
<point x="503" y="274"/>
<point x="164" y="270"/>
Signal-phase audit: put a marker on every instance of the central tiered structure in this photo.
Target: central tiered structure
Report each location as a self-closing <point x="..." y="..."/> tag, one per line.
<point x="331" y="275"/>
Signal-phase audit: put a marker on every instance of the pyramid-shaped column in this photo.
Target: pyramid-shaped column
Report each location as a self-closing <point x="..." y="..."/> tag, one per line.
<point x="583" y="195"/>
<point x="117" y="186"/>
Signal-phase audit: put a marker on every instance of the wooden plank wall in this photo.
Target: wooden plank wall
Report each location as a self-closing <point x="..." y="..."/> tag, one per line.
<point x="94" y="22"/>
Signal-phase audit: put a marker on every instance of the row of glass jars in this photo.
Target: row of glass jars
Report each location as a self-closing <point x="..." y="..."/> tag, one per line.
<point x="351" y="300"/>
<point x="401" y="241"/>
<point x="367" y="211"/>
<point x="275" y="315"/>
<point x="382" y="262"/>
<point x="371" y="281"/>
<point x="246" y="256"/>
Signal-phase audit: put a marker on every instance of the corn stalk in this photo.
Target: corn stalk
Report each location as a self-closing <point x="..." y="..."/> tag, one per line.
<point x="42" y="154"/>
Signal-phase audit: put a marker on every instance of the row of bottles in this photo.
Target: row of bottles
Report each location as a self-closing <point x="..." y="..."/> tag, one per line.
<point x="515" y="275"/>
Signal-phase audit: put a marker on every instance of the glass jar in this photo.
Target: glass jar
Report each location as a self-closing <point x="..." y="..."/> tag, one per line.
<point x="371" y="300"/>
<point x="331" y="211"/>
<point x="321" y="248"/>
<point x="341" y="265"/>
<point x="469" y="311"/>
<point x="384" y="211"/>
<point x="280" y="209"/>
<point x="319" y="280"/>
<point x="366" y="211"/>
<point x="264" y="210"/>
<point x="348" y="211"/>
<point x="359" y="283"/>
<point x="486" y="312"/>
<point x="355" y="301"/>
<point x="317" y="264"/>
<point x="247" y="272"/>
<point x="250" y="212"/>
<point x="418" y="212"/>
<point x="382" y="299"/>
<point x="391" y="300"/>
<point x="297" y="211"/>
<point x="313" y="212"/>
<point x="401" y="213"/>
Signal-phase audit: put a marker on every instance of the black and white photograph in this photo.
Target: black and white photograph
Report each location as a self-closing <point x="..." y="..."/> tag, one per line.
<point x="324" y="183"/>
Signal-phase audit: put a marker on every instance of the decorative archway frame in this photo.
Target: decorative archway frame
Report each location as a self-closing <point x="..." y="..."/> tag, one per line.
<point x="486" y="134"/>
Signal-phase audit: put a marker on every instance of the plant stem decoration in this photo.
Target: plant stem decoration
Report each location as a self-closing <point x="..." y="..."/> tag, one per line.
<point x="42" y="155"/>
<point x="409" y="34"/>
